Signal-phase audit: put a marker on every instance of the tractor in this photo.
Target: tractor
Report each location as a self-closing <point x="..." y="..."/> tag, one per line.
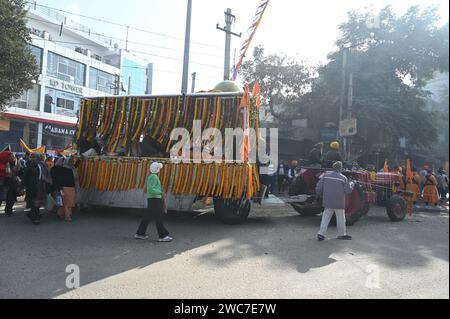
<point x="383" y="191"/>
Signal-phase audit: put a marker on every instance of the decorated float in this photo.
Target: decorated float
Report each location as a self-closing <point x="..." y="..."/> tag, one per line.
<point x="121" y="124"/>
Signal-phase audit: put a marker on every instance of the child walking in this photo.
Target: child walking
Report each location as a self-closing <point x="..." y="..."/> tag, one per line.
<point x="155" y="207"/>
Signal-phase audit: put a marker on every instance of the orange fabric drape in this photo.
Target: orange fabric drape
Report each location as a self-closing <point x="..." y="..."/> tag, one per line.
<point x="256" y="94"/>
<point x="40" y="150"/>
<point x="386" y="167"/>
<point x="409" y="173"/>
<point x="245" y="103"/>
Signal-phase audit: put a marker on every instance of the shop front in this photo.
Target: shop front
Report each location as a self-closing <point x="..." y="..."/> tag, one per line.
<point x="12" y="130"/>
<point x="57" y="137"/>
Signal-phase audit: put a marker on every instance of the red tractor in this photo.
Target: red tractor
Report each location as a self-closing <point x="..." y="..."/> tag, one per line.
<point x="384" y="191"/>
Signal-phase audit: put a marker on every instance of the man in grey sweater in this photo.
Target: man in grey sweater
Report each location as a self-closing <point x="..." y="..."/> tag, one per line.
<point x="332" y="188"/>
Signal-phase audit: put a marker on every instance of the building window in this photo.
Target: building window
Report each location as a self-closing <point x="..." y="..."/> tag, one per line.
<point x="65" y="104"/>
<point x="28" y="131"/>
<point x="37" y="52"/>
<point x="61" y="103"/>
<point x="102" y="81"/>
<point x="66" y="69"/>
<point x="28" y="100"/>
<point x="137" y="73"/>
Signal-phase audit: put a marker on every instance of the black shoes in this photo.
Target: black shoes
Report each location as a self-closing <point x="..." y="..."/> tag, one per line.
<point x="320" y="238"/>
<point x="346" y="237"/>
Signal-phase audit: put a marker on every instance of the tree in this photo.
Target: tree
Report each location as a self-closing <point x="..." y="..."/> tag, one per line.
<point x="18" y="67"/>
<point x="391" y="65"/>
<point x="283" y="81"/>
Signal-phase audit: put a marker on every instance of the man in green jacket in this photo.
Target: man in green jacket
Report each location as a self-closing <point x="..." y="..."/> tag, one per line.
<point x="155" y="207"/>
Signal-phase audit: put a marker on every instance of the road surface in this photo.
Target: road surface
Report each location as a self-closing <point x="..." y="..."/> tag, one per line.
<point x="274" y="255"/>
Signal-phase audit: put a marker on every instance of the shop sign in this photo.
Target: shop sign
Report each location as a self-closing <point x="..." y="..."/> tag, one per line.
<point x="5" y="125"/>
<point x="348" y="127"/>
<point x="59" y="130"/>
<point x="57" y="84"/>
<point x="328" y="134"/>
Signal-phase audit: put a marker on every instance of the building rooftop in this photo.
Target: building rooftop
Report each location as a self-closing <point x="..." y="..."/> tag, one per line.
<point x="43" y="13"/>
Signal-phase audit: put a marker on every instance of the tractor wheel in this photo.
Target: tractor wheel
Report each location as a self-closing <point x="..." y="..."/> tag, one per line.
<point x="355" y="204"/>
<point x="232" y="212"/>
<point x="307" y="210"/>
<point x="396" y="208"/>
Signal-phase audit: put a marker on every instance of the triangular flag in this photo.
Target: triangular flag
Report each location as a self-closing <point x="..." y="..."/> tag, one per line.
<point x="256" y="94"/>
<point x="386" y="167"/>
<point x="245" y="102"/>
<point x="409" y="173"/>
<point x="40" y="150"/>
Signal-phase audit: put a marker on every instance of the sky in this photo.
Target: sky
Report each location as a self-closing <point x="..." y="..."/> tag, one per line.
<point x="304" y="29"/>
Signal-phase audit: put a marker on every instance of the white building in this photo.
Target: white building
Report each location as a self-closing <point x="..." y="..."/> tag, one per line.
<point x="74" y="61"/>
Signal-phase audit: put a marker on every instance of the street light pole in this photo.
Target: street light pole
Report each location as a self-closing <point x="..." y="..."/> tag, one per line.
<point x="349" y="110"/>
<point x="229" y="20"/>
<point x="194" y="77"/>
<point x="342" y="98"/>
<point x="187" y="44"/>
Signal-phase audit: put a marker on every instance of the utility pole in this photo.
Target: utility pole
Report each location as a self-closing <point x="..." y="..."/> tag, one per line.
<point x="229" y="20"/>
<point x="126" y="44"/>
<point x="129" y="85"/>
<point x="349" y="110"/>
<point x="342" y="98"/>
<point x="116" y="85"/>
<point x="194" y="77"/>
<point x="187" y="45"/>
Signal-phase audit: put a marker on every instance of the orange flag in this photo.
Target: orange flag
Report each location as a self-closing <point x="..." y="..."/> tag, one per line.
<point x="409" y="173"/>
<point x="245" y="102"/>
<point x="250" y="182"/>
<point x="256" y="94"/>
<point x="386" y="166"/>
<point x="40" y="150"/>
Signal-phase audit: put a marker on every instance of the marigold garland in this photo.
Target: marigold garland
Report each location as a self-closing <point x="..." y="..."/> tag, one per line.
<point x="226" y="180"/>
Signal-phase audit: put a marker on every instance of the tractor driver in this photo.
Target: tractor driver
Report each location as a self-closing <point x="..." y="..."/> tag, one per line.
<point x="333" y="155"/>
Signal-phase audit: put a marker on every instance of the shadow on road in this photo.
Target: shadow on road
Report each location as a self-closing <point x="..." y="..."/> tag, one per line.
<point x="34" y="259"/>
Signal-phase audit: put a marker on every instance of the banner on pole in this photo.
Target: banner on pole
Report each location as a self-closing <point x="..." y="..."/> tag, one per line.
<point x="348" y="127"/>
<point x="251" y="32"/>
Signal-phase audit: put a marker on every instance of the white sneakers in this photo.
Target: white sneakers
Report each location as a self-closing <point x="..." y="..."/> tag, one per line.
<point x="167" y="239"/>
<point x="140" y="237"/>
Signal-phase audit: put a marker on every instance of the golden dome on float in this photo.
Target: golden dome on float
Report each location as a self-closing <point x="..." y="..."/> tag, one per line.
<point x="227" y="86"/>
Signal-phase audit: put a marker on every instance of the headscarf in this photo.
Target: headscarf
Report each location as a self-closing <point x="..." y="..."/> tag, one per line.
<point x="155" y="167"/>
<point x="335" y="146"/>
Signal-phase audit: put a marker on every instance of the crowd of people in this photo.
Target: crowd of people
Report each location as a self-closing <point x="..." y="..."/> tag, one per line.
<point x="46" y="181"/>
<point x="278" y="179"/>
<point x="425" y="184"/>
<point x="418" y="186"/>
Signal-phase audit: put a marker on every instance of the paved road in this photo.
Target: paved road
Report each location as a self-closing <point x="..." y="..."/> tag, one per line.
<point x="274" y="255"/>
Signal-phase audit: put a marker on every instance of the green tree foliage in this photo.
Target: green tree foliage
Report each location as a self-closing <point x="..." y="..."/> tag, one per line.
<point x="18" y="66"/>
<point x="283" y="81"/>
<point x="391" y="65"/>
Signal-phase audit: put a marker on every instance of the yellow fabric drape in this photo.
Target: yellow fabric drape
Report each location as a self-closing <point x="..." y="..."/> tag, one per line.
<point x="40" y="150"/>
